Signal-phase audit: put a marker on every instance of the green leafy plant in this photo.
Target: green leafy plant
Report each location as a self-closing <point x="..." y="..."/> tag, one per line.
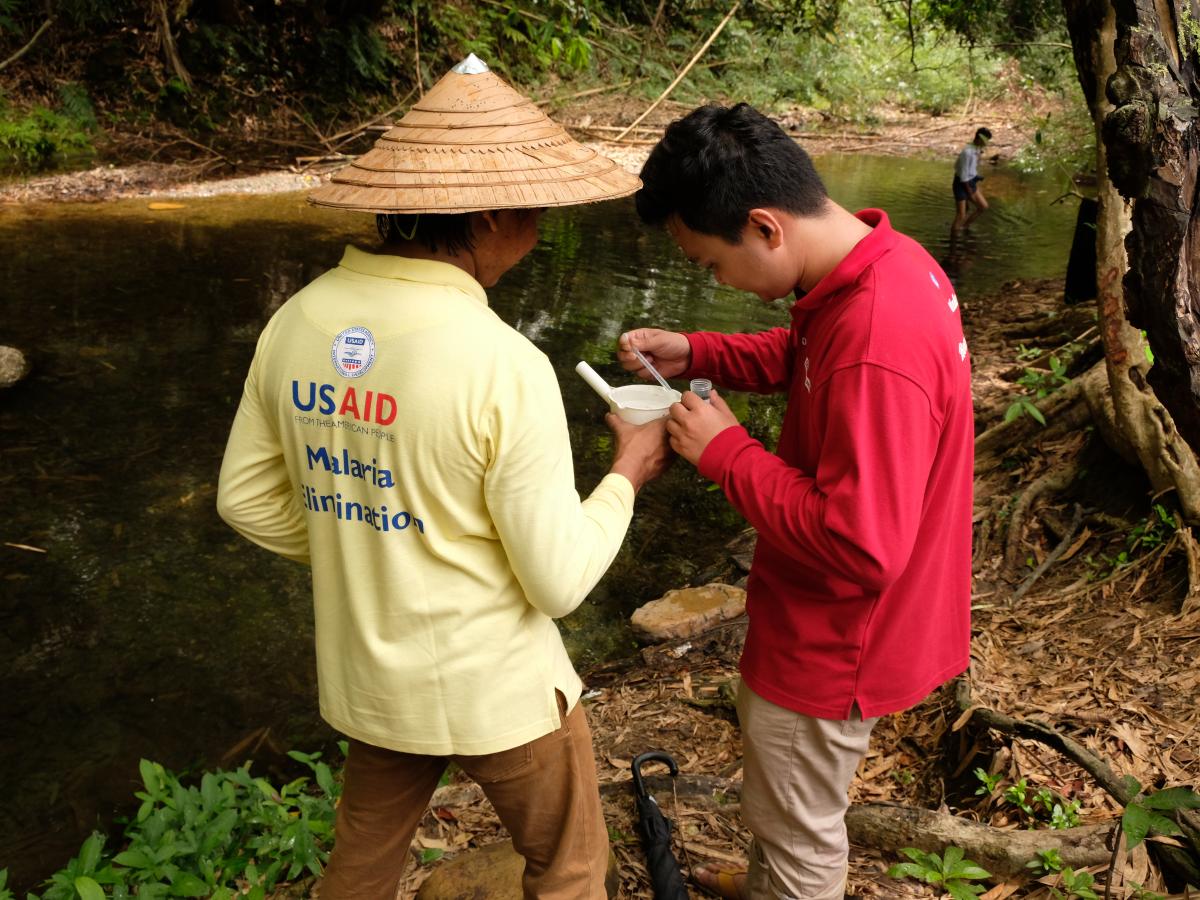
<point x="1149" y="812"/>
<point x="988" y="784"/>
<point x="230" y="834"/>
<point x="1077" y="885"/>
<point x="1018" y="795"/>
<point x="1154" y="530"/>
<point x="955" y="875"/>
<point x="1047" y="863"/>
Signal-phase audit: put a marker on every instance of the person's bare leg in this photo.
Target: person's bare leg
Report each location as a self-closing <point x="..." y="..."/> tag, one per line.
<point x="960" y="216"/>
<point x="729" y="885"/>
<point x="981" y="206"/>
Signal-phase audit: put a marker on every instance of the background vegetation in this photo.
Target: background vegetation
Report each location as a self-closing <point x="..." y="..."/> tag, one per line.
<point x="264" y="81"/>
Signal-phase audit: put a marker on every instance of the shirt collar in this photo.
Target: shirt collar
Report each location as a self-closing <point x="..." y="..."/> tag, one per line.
<point x="870" y="248"/>
<point x="403" y="268"/>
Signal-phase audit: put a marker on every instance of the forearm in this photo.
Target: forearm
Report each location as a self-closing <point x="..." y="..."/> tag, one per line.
<point x="760" y="363"/>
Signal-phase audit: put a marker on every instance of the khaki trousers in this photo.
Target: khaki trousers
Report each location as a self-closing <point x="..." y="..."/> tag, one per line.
<point x="545" y="793"/>
<point x="796" y="773"/>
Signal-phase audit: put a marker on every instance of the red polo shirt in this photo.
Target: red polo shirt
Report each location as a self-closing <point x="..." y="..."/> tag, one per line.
<point x="860" y="587"/>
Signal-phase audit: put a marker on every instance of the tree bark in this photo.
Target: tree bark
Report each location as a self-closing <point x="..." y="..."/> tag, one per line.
<point x="1152" y="137"/>
<point x="1141" y="427"/>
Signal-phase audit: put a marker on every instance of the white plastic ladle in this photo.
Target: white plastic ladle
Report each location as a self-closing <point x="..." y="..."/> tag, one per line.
<point x="635" y="403"/>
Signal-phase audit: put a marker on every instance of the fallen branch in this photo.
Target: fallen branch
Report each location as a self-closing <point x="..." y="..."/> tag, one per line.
<point x="1072" y="530"/>
<point x="1055" y="480"/>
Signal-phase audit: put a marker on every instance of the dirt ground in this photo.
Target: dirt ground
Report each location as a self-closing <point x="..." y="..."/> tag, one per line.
<point x="1103" y="652"/>
<point x="1084" y="616"/>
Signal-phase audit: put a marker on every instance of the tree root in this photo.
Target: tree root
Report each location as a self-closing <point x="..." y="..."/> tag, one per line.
<point x="1065" y="410"/>
<point x="1055" y="480"/>
<point x="1184" y="865"/>
<point x="1072" y="530"/>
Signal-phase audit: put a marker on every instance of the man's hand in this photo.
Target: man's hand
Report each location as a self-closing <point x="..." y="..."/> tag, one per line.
<point x="667" y="351"/>
<point x="694" y="423"/>
<point x="642" y="453"/>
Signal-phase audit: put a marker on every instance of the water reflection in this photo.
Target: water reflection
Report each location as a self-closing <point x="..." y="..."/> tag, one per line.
<point x="146" y="627"/>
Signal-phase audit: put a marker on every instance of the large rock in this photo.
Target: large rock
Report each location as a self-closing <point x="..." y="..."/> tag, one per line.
<point x="687" y="612"/>
<point x="13" y="366"/>
<point x="489" y="873"/>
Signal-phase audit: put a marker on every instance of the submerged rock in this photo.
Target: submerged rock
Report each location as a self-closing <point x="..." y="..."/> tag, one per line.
<point x="13" y="366"/>
<point x="687" y="612"/>
<point x="489" y="873"/>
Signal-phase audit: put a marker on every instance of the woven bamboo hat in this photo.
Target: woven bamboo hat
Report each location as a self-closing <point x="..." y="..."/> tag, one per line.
<point x="473" y="143"/>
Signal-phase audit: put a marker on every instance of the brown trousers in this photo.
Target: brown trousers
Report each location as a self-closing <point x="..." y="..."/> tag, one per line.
<point x="545" y="793"/>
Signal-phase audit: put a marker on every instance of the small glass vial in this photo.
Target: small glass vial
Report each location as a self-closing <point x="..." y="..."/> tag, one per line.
<point x="701" y="387"/>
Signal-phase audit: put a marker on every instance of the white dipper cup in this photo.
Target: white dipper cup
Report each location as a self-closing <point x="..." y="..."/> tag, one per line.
<point x="637" y="404"/>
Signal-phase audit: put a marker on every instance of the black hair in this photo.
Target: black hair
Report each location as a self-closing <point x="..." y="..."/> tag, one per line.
<point x="983" y="132"/>
<point x="449" y="230"/>
<point x="717" y="163"/>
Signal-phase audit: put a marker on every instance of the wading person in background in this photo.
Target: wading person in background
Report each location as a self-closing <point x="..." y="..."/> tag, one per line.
<point x="399" y="437"/>
<point x="859" y="592"/>
<point x="966" y="182"/>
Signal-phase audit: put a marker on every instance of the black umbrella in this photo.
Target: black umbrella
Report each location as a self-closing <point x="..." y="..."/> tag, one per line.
<point x="665" y="877"/>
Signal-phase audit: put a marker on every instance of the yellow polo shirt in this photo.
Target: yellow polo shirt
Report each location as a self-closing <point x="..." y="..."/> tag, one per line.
<point x="411" y="445"/>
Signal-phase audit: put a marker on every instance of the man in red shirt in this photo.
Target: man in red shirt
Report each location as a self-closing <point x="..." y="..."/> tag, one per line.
<point x="859" y="594"/>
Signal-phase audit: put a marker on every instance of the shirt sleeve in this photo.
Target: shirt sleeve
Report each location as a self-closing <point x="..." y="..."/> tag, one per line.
<point x="255" y="494"/>
<point x="857" y="516"/>
<point x="760" y="363"/>
<point x="558" y="546"/>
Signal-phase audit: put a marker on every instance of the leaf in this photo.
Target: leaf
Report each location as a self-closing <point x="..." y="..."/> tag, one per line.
<point x="149" y="776"/>
<point x="324" y="778"/>
<point x="1136" y="824"/>
<point x="907" y="870"/>
<point x="185" y="884"/>
<point x="953" y="857"/>
<point x="1034" y="412"/>
<point x="431" y="854"/>
<point x="89" y="855"/>
<point x="88" y="889"/>
<point x="134" y="859"/>
<point x="1132" y="785"/>
<point x="962" y="891"/>
<point x="972" y="871"/>
<point x="1173" y="798"/>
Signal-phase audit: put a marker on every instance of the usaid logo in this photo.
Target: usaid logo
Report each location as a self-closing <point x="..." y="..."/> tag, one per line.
<point x="353" y="352"/>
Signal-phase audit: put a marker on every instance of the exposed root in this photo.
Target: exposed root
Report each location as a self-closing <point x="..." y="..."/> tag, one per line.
<point x="1053" y="481"/>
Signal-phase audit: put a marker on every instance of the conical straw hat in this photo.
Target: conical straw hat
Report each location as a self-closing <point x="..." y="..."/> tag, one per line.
<point x="473" y="143"/>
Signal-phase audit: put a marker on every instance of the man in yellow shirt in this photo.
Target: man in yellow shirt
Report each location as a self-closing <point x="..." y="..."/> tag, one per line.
<point x="412" y="447"/>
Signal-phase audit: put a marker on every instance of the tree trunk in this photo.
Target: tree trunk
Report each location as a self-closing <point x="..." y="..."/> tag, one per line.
<point x="1141" y="427"/>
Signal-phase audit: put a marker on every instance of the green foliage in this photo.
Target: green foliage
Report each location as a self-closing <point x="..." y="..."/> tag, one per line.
<point x="1152" y="531"/>
<point x="1039" y="805"/>
<point x="955" y="875"/>
<point x="35" y="138"/>
<point x="1047" y="863"/>
<point x="1147" y="813"/>
<point x="865" y="61"/>
<point x="8" y="23"/>
<point x="1038" y="384"/>
<point x="1077" y="885"/>
<point x="231" y="834"/>
<point x="988" y="784"/>
<point x="1065" y="141"/>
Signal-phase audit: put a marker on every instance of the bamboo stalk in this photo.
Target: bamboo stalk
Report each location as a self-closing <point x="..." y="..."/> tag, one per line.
<point x="33" y="40"/>
<point x="678" y="78"/>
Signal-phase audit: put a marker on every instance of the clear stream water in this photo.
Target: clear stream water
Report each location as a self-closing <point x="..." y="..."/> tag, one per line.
<point x="146" y="627"/>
